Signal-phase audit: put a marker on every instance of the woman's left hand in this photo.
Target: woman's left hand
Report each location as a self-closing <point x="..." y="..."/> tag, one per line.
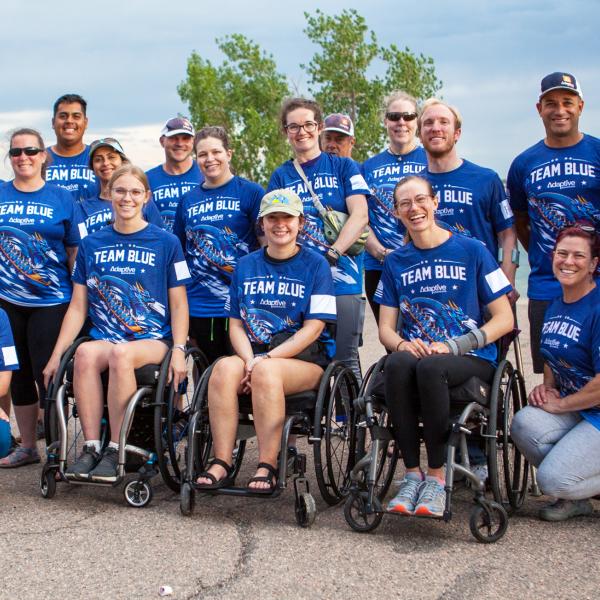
<point x="177" y="371"/>
<point x="553" y="404"/>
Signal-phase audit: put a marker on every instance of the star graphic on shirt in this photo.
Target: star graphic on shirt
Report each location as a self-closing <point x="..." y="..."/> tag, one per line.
<point x="252" y="301"/>
<point x="462" y="210"/>
<point x="293" y="304"/>
<point x="455" y="287"/>
<point x="584" y="182"/>
<point x="412" y="291"/>
<point x="42" y="221"/>
<point x="539" y="187"/>
<point x="143" y="270"/>
<point x="565" y="345"/>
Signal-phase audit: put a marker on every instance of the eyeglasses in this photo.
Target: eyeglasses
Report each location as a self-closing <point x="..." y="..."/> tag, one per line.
<point x="29" y="151"/>
<point x="405" y="204"/>
<point x="135" y="193"/>
<point x="309" y="127"/>
<point x="396" y="116"/>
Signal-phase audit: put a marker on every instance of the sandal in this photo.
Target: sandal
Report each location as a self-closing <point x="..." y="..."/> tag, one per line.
<point x="19" y="457"/>
<point x="270" y="479"/>
<point x="216" y="483"/>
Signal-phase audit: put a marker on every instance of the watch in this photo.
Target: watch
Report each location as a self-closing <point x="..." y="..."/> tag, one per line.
<point x="179" y="347"/>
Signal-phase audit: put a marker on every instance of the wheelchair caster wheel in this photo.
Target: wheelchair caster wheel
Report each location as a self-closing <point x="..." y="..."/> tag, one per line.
<point x="488" y="526"/>
<point x="306" y="510"/>
<point x="48" y="483"/>
<point x="186" y="499"/>
<point x="138" y="493"/>
<point x="355" y="513"/>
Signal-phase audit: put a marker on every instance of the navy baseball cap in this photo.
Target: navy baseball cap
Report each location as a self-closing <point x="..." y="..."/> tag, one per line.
<point x="339" y="122"/>
<point x="178" y="125"/>
<point x="560" y="81"/>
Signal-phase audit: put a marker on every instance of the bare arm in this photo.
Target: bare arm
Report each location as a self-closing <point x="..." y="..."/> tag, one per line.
<point x="502" y="320"/>
<point x="587" y="397"/>
<point x="507" y="240"/>
<point x="178" y="306"/>
<point x="239" y="340"/>
<point x="356" y="223"/>
<point x="302" y="339"/>
<point x="523" y="228"/>
<point x="71" y="256"/>
<point x="375" y="248"/>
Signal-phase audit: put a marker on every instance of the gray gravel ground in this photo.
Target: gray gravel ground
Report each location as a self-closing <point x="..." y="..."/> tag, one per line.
<point x="86" y="543"/>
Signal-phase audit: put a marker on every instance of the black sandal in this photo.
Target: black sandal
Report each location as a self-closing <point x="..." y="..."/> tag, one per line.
<point x="266" y="478"/>
<point x="216" y="483"/>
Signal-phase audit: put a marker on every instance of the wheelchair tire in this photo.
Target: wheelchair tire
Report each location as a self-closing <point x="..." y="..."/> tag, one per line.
<point x="488" y="526"/>
<point x="333" y="438"/>
<point x="508" y="469"/>
<point x="187" y="499"/>
<point x="48" y="483"/>
<point x="306" y="510"/>
<point x="356" y="514"/>
<point x="171" y="417"/>
<point x="138" y="493"/>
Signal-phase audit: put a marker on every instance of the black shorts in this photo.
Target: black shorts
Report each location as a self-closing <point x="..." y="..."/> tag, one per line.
<point x="211" y="335"/>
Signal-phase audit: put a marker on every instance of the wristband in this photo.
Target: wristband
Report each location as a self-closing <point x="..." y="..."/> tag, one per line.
<point x="400" y="344"/>
<point x="474" y="339"/>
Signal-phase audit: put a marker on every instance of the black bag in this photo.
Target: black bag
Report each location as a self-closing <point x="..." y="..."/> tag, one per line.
<point x="314" y="353"/>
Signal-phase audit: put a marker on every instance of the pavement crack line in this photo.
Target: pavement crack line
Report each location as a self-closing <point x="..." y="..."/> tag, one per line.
<point x="240" y="569"/>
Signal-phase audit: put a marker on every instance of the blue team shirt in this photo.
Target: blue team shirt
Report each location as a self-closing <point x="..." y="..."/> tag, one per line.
<point x="72" y="173"/>
<point x="97" y="212"/>
<point x="216" y="227"/>
<point x="333" y="179"/>
<point x="8" y="352"/>
<point x="272" y="297"/>
<point x="167" y="190"/>
<point x="382" y="172"/>
<point x="128" y="277"/>
<point x="570" y="346"/>
<point x="35" y="230"/>
<point x="556" y="186"/>
<point x="472" y="201"/>
<point x="442" y="292"/>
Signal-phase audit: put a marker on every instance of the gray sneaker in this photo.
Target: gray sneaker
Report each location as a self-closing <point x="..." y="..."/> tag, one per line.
<point x="432" y="499"/>
<point x="106" y="469"/>
<point x="87" y="460"/>
<point x="405" y="499"/>
<point x="561" y="510"/>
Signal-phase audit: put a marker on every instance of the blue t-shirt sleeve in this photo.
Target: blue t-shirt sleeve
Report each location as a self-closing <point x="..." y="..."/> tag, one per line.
<point x="386" y="290"/>
<point x="232" y="304"/>
<point x="152" y="214"/>
<point x="8" y="352"/>
<point x="75" y="229"/>
<point x="352" y="179"/>
<point x="491" y="280"/>
<point x="501" y="212"/>
<point x="516" y="188"/>
<point x="322" y="304"/>
<point x="79" y="270"/>
<point x="179" y="273"/>
<point x="275" y="183"/>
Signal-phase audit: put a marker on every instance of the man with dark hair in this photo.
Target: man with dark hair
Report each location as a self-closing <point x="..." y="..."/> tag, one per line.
<point x="69" y="157"/>
<point x="551" y="185"/>
<point x="179" y="173"/>
<point x="337" y="136"/>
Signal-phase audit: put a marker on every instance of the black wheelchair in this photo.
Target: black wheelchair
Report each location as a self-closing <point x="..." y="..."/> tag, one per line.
<point x="480" y="411"/>
<point x="324" y="416"/>
<point x="152" y="438"/>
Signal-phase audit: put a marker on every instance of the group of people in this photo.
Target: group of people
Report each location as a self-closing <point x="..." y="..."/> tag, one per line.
<point x="190" y="250"/>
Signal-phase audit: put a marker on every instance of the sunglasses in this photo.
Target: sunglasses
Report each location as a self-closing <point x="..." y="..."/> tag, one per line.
<point x="405" y="116"/>
<point x="29" y="151"/>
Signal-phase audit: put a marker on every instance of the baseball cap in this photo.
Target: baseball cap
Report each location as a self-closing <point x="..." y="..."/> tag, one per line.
<point x="560" y="81"/>
<point x="285" y="201"/>
<point x="339" y="122"/>
<point x="105" y="142"/>
<point x="178" y="125"/>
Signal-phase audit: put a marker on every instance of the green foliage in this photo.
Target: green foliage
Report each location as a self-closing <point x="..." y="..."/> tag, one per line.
<point x="243" y="95"/>
<point x="339" y="74"/>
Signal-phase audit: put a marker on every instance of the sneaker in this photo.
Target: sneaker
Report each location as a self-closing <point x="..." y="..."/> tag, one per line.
<point x="432" y="499"/>
<point x="561" y="510"/>
<point x="406" y="498"/>
<point x="87" y="460"/>
<point x="481" y="472"/>
<point x="106" y="469"/>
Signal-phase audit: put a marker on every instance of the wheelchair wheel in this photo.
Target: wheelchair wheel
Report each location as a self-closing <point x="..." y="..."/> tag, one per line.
<point x="138" y="493"/>
<point x="333" y="438"/>
<point x="48" y="482"/>
<point x="187" y="499"/>
<point x="488" y="523"/>
<point x="171" y="417"/>
<point x="508" y="469"/>
<point x="306" y="510"/>
<point x="356" y="514"/>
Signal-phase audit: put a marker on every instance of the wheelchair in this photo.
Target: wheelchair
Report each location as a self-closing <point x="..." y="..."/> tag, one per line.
<point x="152" y="438"/>
<point x="481" y="411"/>
<point x="323" y="416"/>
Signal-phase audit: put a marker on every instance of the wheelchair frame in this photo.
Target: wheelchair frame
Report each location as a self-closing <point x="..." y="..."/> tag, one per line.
<point x="329" y="420"/>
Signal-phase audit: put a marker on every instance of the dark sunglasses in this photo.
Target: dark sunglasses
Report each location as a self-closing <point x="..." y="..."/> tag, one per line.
<point x="29" y="151"/>
<point x="405" y="116"/>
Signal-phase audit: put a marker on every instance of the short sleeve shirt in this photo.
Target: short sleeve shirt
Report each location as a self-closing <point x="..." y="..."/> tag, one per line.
<point x="8" y="352"/>
<point x="72" y="173"/>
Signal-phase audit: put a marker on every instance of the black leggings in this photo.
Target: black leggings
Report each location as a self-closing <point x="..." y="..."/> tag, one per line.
<point x="417" y="389"/>
<point x="35" y="330"/>
<point x="371" y="282"/>
<point x="212" y="336"/>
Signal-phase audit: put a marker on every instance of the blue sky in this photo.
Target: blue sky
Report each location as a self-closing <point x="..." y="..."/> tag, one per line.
<point x="127" y="58"/>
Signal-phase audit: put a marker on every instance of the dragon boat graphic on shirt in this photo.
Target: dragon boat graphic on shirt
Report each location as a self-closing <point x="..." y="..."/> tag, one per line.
<point x="556" y="211"/>
<point x="28" y="263"/>
<point x="262" y="324"/>
<point x="568" y="378"/>
<point x="123" y="308"/>
<point x="433" y="321"/>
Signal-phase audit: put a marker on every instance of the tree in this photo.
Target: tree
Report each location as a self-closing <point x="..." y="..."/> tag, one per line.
<point x="243" y="95"/>
<point x="339" y="77"/>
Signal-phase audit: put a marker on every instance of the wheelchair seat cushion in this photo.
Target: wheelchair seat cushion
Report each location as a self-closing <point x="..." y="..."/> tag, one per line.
<point x="472" y="390"/>
<point x="293" y="403"/>
<point x="144" y="376"/>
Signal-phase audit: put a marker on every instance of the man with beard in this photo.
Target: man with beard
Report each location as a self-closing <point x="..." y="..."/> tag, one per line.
<point x="551" y="185"/>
